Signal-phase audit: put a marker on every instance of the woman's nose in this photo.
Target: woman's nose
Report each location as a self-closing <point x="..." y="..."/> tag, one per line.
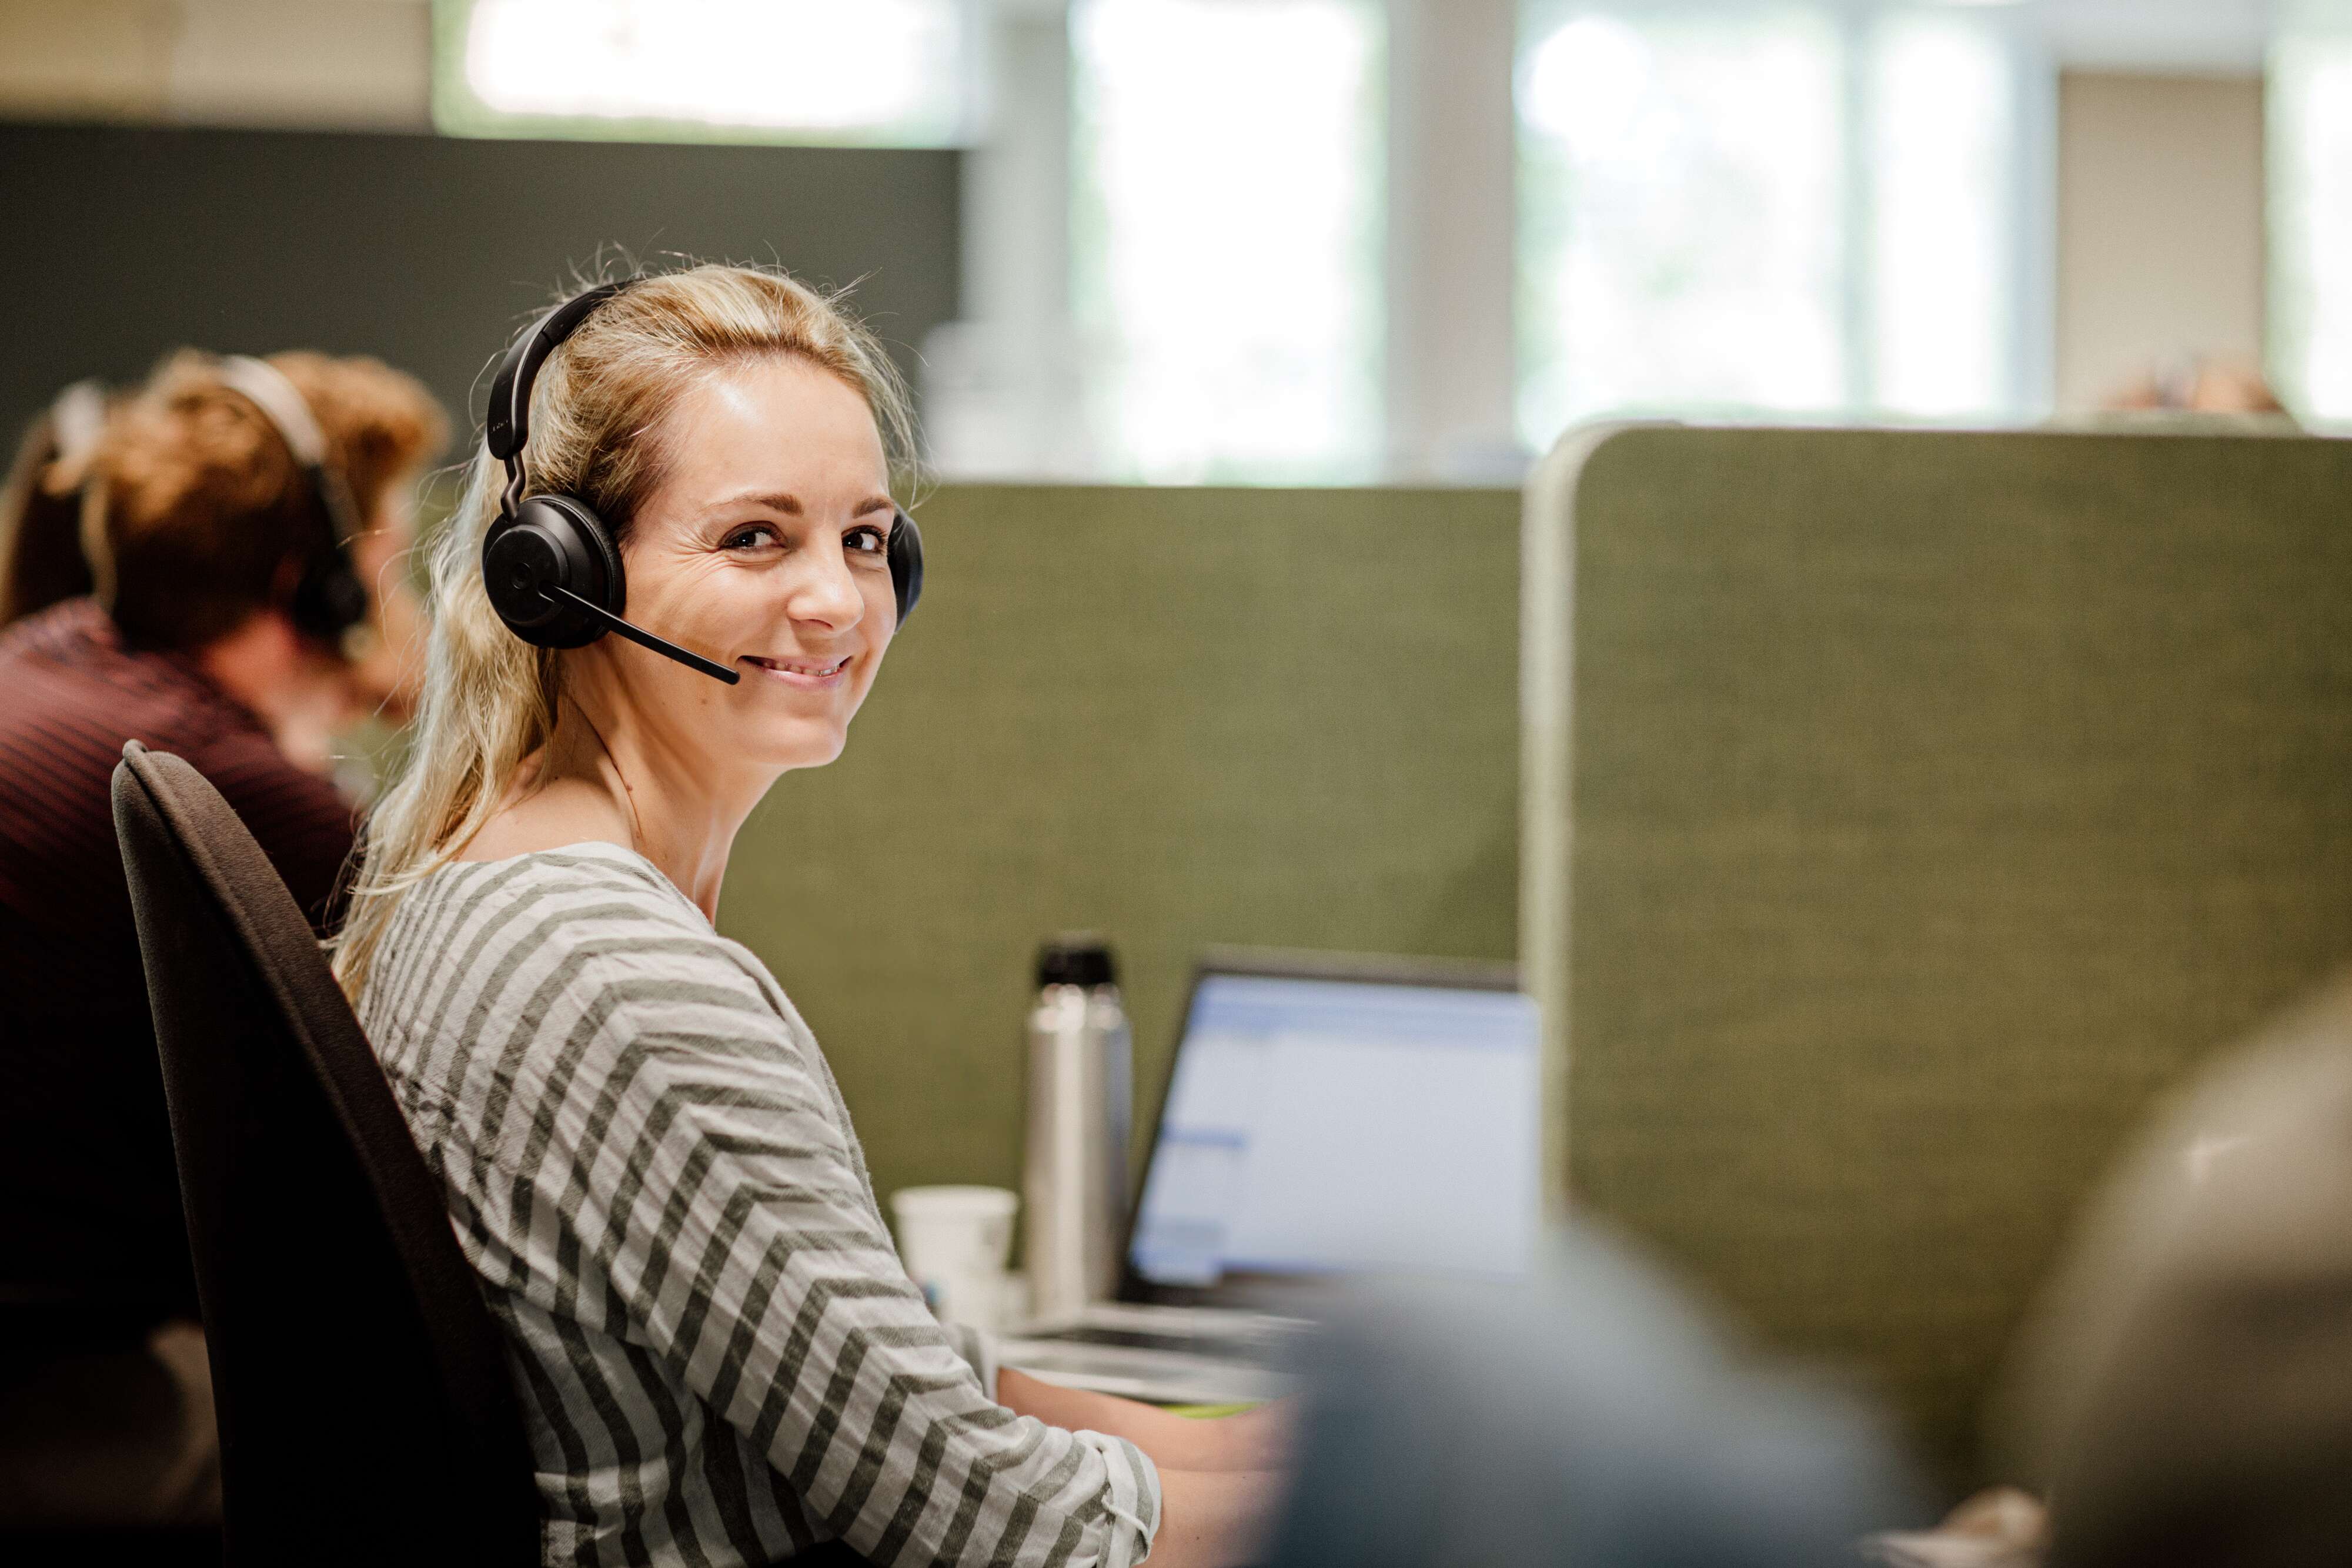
<point x="827" y="592"/>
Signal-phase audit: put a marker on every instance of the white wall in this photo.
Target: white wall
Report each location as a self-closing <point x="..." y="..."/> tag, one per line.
<point x="2161" y="238"/>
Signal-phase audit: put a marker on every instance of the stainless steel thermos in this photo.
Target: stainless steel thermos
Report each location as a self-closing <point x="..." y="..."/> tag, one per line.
<point x="1081" y="1102"/>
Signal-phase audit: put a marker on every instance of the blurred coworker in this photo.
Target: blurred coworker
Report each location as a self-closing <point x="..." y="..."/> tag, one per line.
<point x="2185" y="1394"/>
<point x="198" y="525"/>
<point x="1588" y="1414"/>
<point x="2196" y="385"/>
<point x="41" y="559"/>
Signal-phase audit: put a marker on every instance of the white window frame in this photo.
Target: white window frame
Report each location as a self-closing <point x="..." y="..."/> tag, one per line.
<point x="1451" y="375"/>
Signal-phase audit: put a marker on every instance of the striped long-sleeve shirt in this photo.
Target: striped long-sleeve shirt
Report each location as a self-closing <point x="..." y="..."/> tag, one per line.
<point x="647" y="1160"/>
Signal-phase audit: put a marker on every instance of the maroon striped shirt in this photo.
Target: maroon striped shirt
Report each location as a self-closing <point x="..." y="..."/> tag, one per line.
<point x="90" y="1208"/>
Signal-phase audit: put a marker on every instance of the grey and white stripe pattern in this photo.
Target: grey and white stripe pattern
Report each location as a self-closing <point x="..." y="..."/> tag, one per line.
<point x="647" y="1159"/>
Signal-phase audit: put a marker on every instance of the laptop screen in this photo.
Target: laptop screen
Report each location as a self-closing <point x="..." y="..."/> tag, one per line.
<point x="1319" y="1127"/>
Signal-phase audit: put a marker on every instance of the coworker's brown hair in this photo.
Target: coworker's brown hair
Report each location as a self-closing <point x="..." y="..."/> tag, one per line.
<point x="200" y="516"/>
<point x="597" y="432"/>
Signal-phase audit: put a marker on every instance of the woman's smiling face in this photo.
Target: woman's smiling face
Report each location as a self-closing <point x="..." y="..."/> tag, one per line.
<point x="764" y="545"/>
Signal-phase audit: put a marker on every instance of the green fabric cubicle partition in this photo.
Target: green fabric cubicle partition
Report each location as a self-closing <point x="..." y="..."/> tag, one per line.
<point x="1181" y="717"/>
<point x="1904" y="812"/>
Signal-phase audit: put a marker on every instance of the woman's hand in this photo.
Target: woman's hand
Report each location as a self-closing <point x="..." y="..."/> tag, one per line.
<point x="1257" y="1439"/>
<point x="1220" y="1479"/>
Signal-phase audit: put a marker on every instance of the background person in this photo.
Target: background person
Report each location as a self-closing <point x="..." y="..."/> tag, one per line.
<point x="2195" y="384"/>
<point x="647" y="1159"/>
<point x="197" y="527"/>
<point x="41" y="559"/>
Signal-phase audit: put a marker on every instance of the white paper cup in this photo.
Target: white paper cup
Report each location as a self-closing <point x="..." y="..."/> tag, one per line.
<point x="956" y="1242"/>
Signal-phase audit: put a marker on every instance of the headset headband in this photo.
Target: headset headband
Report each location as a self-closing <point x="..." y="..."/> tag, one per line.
<point x="329" y="601"/>
<point x="506" y="426"/>
<point x="281" y="402"/>
<point x="77" y="419"/>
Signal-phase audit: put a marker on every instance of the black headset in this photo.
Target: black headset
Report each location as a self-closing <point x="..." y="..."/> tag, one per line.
<point x="329" y="601"/>
<point x="550" y="563"/>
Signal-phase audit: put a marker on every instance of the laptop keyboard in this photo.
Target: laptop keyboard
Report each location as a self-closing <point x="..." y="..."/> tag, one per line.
<point x="1143" y="1338"/>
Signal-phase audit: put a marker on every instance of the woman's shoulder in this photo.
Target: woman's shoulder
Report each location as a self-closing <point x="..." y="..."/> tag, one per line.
<point x="589" y="914"/>
<point x="553" y="882"/>
<point x="510" y="994"/>
<point x="487" y="962"/>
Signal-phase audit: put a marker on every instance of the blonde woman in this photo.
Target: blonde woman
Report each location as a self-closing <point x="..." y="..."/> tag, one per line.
<point x="646" y="1155"/>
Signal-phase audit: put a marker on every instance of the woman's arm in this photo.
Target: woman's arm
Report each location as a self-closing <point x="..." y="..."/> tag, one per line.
<point x="718" y="1193"/>
<point x="1258" y="1439"/>
<point x="1220" y="1479"/>
<point x="1215" y="1518"/>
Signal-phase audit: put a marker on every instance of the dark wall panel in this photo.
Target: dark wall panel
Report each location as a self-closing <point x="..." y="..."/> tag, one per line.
<point x="125" y="242"/>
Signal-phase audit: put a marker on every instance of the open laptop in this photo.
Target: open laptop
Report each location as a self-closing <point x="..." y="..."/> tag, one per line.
<point x="1326" y="1115"/>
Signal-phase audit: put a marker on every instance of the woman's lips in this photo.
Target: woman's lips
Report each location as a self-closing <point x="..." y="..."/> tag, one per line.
<point x="807" y="674"/>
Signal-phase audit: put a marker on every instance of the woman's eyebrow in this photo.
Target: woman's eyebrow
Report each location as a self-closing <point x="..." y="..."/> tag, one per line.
<point x="772" y="500"/>
<point x="788" y="504"/>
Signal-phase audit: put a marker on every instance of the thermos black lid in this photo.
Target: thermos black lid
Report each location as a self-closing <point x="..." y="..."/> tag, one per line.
<point x="1076" y="958"/>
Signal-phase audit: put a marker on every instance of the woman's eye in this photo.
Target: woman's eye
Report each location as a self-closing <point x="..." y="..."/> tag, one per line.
<point x="868" y="540"/>
<point x="750" y="537"/>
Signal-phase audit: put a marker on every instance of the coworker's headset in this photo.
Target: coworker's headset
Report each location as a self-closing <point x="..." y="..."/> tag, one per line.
<point x="328" y="603"/>
<point x="550" y="563"/>
<point x="77" y="419"/>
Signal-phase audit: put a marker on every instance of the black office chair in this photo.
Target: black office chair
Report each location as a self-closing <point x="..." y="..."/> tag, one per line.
<point x="39" y="1323"/>
<point x="366" y="1414"/>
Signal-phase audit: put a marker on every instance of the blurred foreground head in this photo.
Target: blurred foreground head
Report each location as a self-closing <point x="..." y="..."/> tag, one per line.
<point x="1588" y="1415"/>
<point x="2185" y="1391"/>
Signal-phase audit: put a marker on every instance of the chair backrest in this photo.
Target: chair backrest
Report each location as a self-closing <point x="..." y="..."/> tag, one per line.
<point x="365" y="1407"/>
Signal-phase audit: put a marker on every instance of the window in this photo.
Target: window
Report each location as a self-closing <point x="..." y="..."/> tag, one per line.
<point x="875" y="73"/>
<point x="2311" y="223"/>
<point x="1800" y="209"/>
<point x="1226" y="237"/>
<point x="1945" y="311"/>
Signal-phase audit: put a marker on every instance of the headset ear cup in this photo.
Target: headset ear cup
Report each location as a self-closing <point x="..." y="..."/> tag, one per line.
<point x="553" y="542"/>
<point x="329" y="598"/>
<point x="906" y="564"/>
<point x="615" y="599"/>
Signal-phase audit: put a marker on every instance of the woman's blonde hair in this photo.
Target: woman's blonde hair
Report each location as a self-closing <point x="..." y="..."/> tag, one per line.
<point x="597" y="432"/>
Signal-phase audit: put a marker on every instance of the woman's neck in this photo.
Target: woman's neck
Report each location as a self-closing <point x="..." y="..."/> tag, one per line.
<point x="600" y="776"/>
